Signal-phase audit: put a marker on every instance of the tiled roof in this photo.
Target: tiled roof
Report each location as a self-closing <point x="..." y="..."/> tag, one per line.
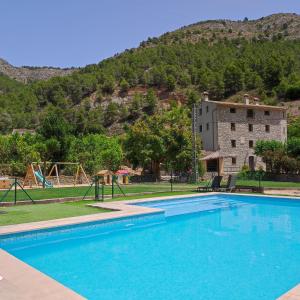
<point x="243" y="105"/>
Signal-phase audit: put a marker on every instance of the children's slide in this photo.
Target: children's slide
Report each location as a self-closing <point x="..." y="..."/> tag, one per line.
<point x="41" y="179"/>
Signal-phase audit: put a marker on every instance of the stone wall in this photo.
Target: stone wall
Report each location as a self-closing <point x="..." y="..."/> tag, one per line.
<point x="208" y="118"/>
<point x="278" y="128"/>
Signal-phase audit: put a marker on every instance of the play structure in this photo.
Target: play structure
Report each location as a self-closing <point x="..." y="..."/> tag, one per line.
<point x="5" y="183"/>
<point x="55" y="177"/>
<point x="120" y="176"/>
<point x="105" y="177"/>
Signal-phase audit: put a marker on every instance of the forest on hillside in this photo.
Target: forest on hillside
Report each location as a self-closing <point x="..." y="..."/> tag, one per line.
<point x="74" y="116"/>
<point x="267" y="69"/>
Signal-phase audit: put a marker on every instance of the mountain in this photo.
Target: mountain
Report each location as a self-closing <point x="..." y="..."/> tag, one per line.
<point x="276" y="26"/>
<point x="27" y="74"/>
<point x="225" y="58"/>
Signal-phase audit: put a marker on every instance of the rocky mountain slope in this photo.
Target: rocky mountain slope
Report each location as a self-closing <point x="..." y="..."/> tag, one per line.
<point x="276" y="26"/>
<point x="28" y="74"/>
<point x="225" y="58"/>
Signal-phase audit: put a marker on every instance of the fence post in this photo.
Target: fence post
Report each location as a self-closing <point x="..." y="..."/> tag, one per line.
<point x="171" y="180"/>
<point x="113" y="186"/>
<point x="97" y="188"/>
<point x="15" y="190"/>
<point x="102" y="190"/>
<point x="44" y="174"/>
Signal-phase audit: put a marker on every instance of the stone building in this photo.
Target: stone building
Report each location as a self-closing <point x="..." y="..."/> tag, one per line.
<point x="229" y="132"/>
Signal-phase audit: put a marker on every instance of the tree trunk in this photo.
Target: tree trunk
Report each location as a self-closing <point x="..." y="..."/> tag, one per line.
<point x="156" y="170"/>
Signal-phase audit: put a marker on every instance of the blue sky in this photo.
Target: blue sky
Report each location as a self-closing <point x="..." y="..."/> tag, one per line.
<point x="78" y="32"/>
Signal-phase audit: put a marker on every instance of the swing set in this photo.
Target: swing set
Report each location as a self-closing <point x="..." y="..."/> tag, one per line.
<point x="35" y="176"/>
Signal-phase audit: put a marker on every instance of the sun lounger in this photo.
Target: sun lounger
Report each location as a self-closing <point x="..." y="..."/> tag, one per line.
<point x="212" y="186"/>
<point x="230" y="186"/>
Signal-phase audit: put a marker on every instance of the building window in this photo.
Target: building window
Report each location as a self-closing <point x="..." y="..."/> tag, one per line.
<point x="267" y="112"/>
<point x="267" y="128"/>
<point x="233" y="160"/>
<point x="232" y="110"/>
<point x="207" y="109"/>
<point x="233" y="143"/>
<point x="200" y="128"/>
<point x="200" y="111"/>
<point x="207" y="126"/>
<point x="251" y="144"/>
<point x="250" y="113"/>
<point x="250" y="127"/>
<point x="232" y="126"/>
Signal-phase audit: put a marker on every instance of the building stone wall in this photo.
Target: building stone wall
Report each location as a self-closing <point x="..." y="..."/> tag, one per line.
<point x="220" y="133"/>
<point x="209" y="136"/>
<point x="278" y="131"/>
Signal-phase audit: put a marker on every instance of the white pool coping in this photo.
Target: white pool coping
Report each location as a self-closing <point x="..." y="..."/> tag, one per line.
<point x="21" y="281"/>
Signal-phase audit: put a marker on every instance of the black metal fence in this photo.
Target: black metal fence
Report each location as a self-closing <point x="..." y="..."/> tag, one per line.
<point x="13" y="190"/>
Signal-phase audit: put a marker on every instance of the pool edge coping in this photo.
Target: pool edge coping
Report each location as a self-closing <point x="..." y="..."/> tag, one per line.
<point x="20" y="281"/>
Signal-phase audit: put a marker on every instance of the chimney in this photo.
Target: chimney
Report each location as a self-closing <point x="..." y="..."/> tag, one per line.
<point x="246" y="99"/>
<point x="205" y="96"/>
<point x="256" y="101"/>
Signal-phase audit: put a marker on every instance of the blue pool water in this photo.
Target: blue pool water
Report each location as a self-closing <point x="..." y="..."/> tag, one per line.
<point x="209" y="247"/>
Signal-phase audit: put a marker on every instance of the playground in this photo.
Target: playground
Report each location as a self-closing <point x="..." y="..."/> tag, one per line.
<point x="49" y="174"/>
<point x="60" y="179"/>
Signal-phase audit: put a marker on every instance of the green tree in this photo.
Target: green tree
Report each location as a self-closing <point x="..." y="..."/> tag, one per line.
<point x="111" y="113"/>
<point x="163" y="138"/>
<point x="124" y="86"/>
<point x="170" y="82"/>
<point x="233" y="79"/>
<point x="151" y="101"/>
<point x="108" y="85"/>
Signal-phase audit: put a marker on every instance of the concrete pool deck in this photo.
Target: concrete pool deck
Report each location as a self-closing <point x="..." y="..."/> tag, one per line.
<point x="18" y="280"/>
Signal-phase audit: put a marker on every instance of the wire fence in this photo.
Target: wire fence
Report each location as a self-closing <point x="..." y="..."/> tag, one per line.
<point x="12" y="190"/>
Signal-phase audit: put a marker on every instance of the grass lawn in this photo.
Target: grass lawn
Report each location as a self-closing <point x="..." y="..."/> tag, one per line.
<point x="271" y="184"/>
<point x="52" y="193"/>
<point x="41" y="212"/>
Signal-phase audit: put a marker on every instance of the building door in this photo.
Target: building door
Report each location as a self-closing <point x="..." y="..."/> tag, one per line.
<point x="215" y="165"/>
<point x="251" y="163"/>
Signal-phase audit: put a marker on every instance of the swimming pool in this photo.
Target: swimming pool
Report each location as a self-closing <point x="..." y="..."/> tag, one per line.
<point x="208" y="247"/>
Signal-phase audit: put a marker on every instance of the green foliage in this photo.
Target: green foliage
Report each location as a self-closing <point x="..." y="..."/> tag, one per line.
<point x="280" y="157"/>
<point x="111" y="113"/>
<point x="151" y="101"/>
<point x="233" y="79"/>
<point x="223" y="68"/>
<point x="293" y="147"/>
<point x="171" y="82"/>
<point x="136" y="105"/>
<point x="108" y="84"/>
<point x="263" y="146"/>
<point x="294" y="128"/>
<point x="17" y="151"/>
<point x="124" y="86"/>
<point x="96" y="152"/>
<point x="193" y="98"/>
<point x="163" y="138"/>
